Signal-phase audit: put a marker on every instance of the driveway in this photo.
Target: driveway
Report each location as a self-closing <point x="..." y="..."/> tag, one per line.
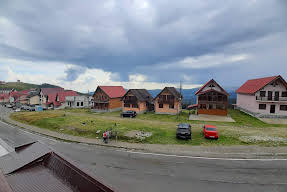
<point x="136" y="171"/>
<point x="203" y="117"/>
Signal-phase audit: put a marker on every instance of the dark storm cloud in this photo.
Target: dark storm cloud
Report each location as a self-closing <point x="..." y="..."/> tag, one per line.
<point x="72" y="73"/>
<point x="125" y="36"/>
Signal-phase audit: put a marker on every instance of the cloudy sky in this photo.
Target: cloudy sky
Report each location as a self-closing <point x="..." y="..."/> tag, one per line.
<point x="142" y="43"/>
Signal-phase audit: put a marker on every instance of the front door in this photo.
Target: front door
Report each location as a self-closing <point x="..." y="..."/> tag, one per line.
<point x="272" y="108"/>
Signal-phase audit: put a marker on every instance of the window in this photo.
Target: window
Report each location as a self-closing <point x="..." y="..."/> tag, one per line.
<point x="284" y="94"/>
<point x="135" y="105"/>
<point x="262" y="106"/>
<point x="160" y="105"/>
<point x="283" y="107"/>
<point x="78" y="104"/>
<point x="171" y="106"/>
<point x="82" y="103"/>
<point x="262" y="93"/>
<point x="126" y="105"/>
<point x="211" y="85"/>
<point x="202" y="106"/>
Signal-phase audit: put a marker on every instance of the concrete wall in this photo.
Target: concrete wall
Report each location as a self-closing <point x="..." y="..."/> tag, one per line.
<point x="35" y="100"/>
<point x="77" y="101"/>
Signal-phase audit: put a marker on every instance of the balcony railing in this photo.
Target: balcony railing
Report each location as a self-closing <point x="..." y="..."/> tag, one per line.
<point x="258" y="98"/>
<point x="101" y="101"/>
<point x="166" y="101"/>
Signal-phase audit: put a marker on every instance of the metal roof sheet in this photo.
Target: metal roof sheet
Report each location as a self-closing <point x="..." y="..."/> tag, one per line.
<point x="16" y="160"/>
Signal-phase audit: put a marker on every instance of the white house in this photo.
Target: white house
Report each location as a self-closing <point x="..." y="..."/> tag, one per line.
<point x="264" y="97"/>
<point x="81" y="101"/>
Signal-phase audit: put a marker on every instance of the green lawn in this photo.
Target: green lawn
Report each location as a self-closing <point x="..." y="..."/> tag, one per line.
<point x="82" y="122"/>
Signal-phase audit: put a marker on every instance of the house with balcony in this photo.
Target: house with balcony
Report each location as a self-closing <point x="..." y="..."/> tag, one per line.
<point x="263" y="97"/>
<point x="212" y="99"/>
<point x="138" y="100"/>
<point x="168" y="101"/>
<point x="108" y="98"/>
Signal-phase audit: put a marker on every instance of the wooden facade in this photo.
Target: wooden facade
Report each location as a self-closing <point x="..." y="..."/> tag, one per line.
<point x="168" y="101"/>
<point x="105" y="102"/>
<point x="138" y="100"/>
<point x="212" y="99"/>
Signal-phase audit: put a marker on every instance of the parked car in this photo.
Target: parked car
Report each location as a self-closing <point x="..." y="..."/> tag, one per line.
<point x="210" y="132"/>
<point x="32" y="108"/>
<point x="183" y="131"/>
<point x="129" y="114"/>
<point x="17" y="110"/>
<point x="8" y="106"/>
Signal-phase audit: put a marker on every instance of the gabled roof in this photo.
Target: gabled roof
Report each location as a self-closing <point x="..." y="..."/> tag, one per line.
<point x="62" y="95"/>
<point x="141" y="94"/>
<point x="47" y="91"/>
<point x="253" y="85"/>
<point x="4" y="96"/>
<point x="172" y="91"/>
<point x="213" y="81"/>
<point x="113" y="91"/>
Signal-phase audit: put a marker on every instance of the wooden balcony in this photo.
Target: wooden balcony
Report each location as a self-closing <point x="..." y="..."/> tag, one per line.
<point x="166" y="101"/>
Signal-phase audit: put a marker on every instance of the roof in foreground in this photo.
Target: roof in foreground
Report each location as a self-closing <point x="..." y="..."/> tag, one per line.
<point x="114" y="91"/>
<point x="253" y="85"/>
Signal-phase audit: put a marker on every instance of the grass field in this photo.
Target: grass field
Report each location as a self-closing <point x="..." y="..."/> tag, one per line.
<point x="82" y="122"/>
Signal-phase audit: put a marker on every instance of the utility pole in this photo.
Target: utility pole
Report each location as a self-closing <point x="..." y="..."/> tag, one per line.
<point x="180" y="98"/>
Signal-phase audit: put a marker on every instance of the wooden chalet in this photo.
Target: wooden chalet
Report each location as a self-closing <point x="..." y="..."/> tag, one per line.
<point x="108" y="98"/>
<point x="168" y="101"/>
<point x="139" y="100"/>
<point x="212" y="99"/>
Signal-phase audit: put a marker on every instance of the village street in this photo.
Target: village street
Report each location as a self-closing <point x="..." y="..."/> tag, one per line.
<point x="135" y="171"/>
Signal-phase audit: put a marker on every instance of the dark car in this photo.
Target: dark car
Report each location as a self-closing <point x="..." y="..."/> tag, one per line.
<point x="129" y="114"/>
<point x="183" y="131"/>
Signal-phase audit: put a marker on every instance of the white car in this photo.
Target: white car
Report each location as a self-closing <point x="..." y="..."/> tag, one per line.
<point x="17" y="110"/>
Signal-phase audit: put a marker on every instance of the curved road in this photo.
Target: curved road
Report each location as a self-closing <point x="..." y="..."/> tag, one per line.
<point x="129" y="171"/>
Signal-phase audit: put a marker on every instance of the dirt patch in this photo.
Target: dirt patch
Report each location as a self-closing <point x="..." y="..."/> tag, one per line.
<point x="138" y="134"/>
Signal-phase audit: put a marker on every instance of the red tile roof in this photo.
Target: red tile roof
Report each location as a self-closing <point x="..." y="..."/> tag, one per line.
<point x="113" y="91"/>
<point x="62" y="95"/>
<point x="24" y="92"/>
<point x="47" y="91"/>
<point x="253" y="85"/>
<point x="199" y="90"/>
<point x="192" y="106"/>
<point x="4" y="96"/>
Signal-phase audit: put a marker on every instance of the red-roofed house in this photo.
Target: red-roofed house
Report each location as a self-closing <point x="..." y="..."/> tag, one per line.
<point x="108" y="98"/>
<point x="44" y="94"/>
<point x="4" y="98"/>
<point x="212" y="99"/>
<point x="58" y="99"/>
<point x="263" y="97"/>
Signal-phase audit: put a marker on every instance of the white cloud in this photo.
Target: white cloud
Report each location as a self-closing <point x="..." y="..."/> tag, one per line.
<point x="54" y="73"/>
<point x="137" y="78"/>
<point x="205" y="61"/>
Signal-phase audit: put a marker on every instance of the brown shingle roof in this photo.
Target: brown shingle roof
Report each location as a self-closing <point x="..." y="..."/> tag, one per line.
<point x="141" y="94"/>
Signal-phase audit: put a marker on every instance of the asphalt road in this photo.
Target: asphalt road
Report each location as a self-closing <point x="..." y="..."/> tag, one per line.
<point x="129" y="171"/>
